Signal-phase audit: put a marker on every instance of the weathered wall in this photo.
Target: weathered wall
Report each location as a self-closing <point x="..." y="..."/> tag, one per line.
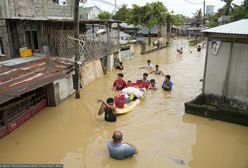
<point x="5" y="40"/>
<point x="62" y="89"/>
<point x="91" y="71"/>
<point x="216" y="69"/>
<point x="238" y="78"/>
<point x="110" y="62"/>
<point x="39" y="8"/>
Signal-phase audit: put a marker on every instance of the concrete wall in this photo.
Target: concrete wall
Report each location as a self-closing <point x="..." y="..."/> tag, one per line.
<point x="5" y="40"/>
<point x="238" y="77"/>
<point x="216" y="69"/>
<point x="38" y="8"/>
<point x="110" y="62"/>
<point x="62" y="89"/>
<point x="91" y="71"/>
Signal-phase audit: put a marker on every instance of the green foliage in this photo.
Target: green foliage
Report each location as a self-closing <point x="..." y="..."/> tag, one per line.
<point x="148" y="15"/>
<point x="178" y="19"/>
<point x="198" y="15"/>
<point x="104" y="15"/>
<point x="228" y="7"/>
<point x="238" y="13"/>
<point x="122" y="14"/>
<point x="212" y="24"/>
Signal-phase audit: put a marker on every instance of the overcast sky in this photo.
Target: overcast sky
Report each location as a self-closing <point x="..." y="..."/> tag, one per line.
<point x="178" y="6"/>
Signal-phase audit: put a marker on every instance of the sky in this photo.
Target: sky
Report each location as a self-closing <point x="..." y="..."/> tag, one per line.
<point x="178" y="6"/>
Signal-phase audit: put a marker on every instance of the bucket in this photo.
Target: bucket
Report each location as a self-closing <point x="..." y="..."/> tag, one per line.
<point x="120" y="101"/>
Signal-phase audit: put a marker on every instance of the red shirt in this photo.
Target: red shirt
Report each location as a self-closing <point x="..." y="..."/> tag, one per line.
<point x="120" y="84"/>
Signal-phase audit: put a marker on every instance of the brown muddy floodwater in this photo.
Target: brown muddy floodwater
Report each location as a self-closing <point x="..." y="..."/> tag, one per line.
<point x="165" y="136"/>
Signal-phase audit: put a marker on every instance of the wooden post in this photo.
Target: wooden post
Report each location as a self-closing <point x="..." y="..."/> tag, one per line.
<point x="76" y="48"/>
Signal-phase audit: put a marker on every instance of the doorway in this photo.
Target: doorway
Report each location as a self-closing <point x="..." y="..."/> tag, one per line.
<point x="32" y="41"/>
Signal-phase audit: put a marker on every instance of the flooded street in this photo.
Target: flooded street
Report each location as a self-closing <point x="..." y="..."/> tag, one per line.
<point x="73" y="134"/>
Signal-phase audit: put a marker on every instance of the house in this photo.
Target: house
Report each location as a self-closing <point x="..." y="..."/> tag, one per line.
<point x="87" y="13"/>
<point x="46" y="29"/>
<point x="43" y="27"/>
<point x="30" y="84"/>
<point x="129" y="29"/>
<point x="225" y="81"/>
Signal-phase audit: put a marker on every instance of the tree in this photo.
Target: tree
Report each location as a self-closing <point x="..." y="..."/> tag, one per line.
<point x="238" y="13"/>
<point x="241" y="11"/>
<point x="149" y="15"/>
<point x="104" y="15"/>
<point x="178" y="19"/>
<point x="198" y="17"/>
<point x="228" y="8"/>
<point x="122" y="14"/>
<point x="245" y="7"/>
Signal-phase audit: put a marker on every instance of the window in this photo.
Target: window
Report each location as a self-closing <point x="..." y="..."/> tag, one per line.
<point x="1" y="48"/>
<point x="59" y="2"/>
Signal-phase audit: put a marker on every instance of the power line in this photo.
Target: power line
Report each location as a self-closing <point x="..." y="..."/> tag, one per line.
<point x="194" y="3"/>
<point x="108" y="3"/>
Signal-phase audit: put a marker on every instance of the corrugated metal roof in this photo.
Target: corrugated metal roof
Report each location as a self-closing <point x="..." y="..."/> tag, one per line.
<point x="238" y="28"/>
<point x="18" y="79"/>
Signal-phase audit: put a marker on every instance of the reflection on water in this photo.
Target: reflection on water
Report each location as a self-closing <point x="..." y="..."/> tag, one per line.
<point x="74" y="135"/>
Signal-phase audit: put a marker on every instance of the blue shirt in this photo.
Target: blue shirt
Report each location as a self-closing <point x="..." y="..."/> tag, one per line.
<point x="167" y="85"/>
<point x="120" y="151"/>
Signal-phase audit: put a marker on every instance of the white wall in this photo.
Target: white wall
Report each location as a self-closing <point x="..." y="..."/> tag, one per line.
<point x="93" y="13"/>
<point x="216" y="69"/>
<point x="65" y="88"/>
<point x="110" y="62"/>
<point x="238" y="77"/>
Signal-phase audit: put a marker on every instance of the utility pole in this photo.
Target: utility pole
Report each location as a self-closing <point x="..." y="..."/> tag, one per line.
<point x="76" y="48"/>
<point x="115" y="6"/>
<point x="204" y="10"/>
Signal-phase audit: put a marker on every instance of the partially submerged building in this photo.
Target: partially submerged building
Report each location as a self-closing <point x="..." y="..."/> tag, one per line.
<point x="45" y="27"/>
<point x="27" y="85"/>
<point x="225" y="82"/>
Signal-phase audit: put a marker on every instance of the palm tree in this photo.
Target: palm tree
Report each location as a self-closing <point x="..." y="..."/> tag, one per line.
<point x="198" y="17"/>
<point x="228" y="7"/>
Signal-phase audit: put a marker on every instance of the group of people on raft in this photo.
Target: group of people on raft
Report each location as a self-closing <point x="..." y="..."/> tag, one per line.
<point x="117" y="149"/>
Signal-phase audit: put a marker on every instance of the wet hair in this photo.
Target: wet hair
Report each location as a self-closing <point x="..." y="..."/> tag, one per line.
<point x="168" y="76"/>
<point x="120" y="74"/>
<point x="152" y="81"/>
<point x="149" y="61"/>
<point x="110" y="100"/>
<point x="145" y="74"/>
<point x="117" y="136"/>
<point x="129" y="81"/>
<point x="156" y="66"/>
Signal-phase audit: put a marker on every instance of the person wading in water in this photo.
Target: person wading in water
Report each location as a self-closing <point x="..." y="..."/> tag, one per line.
<point x="108" y="109"/>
